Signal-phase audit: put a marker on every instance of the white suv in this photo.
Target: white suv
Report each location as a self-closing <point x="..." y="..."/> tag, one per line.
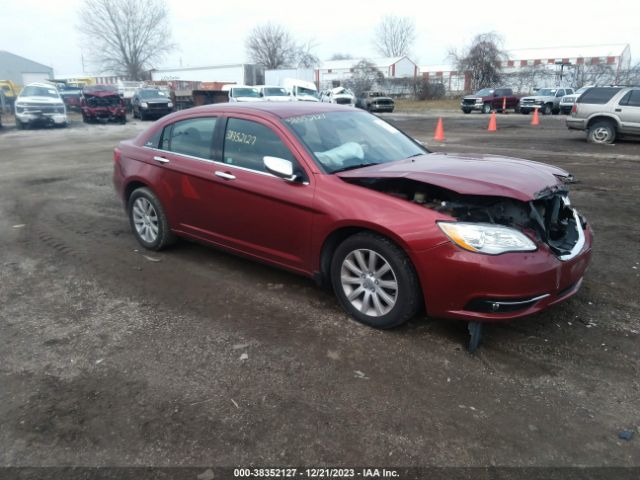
<point x="40" y="104"/>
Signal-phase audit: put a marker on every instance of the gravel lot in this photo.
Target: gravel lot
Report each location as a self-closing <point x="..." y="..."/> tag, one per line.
<point x="116" y="356"/>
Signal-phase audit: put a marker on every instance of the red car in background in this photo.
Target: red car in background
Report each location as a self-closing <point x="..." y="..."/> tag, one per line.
<point x="102" y="103"/>
<point x="342" y="196"/>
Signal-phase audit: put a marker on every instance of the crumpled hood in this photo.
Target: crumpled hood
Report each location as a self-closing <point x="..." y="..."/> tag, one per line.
<point x="490" y="175"/>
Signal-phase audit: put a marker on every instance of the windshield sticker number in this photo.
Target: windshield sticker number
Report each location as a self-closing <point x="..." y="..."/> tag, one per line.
<point x="305" y="118"/>
<point x="240" y="137"/>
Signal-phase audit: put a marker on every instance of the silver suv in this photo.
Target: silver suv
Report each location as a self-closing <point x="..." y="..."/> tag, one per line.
<point x="607" y="113"/>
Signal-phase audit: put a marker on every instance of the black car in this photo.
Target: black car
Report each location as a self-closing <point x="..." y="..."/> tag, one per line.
<point x="151" y="102"/>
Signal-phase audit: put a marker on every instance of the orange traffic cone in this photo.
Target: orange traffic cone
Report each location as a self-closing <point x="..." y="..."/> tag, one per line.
<point x="492" y="123"/>
<point x="439" y="134"/>
<point x="504" y="104"/>
<point x="535" y="120"/>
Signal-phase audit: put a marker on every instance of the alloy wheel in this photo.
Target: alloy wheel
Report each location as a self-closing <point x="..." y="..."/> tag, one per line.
<point x="369" y="282"/>
<point x="145" y="220"/>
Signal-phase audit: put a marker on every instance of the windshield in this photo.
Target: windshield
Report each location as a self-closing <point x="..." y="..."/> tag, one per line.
<point x="152" y="94"/>
<point x="306" y="91"/>
<point x="581" y="90"/>
<point x="343" y="140"/>
<point x="276" y="92"/>
<point x="485" y="92"/>
<point x="245" y="92"/>
<point x="33" y="91"/>
<point x="546" y="92"/>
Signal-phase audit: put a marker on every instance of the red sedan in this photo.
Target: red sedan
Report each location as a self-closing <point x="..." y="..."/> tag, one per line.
<point x="342" y="196"/>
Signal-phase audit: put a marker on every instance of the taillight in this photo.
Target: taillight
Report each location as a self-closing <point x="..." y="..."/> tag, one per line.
<point x="116" y="155"/>
<point x="574" y="109"/>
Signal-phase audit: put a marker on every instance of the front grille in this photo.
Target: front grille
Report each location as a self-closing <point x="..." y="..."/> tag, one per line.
<point x="42" y="107"/>
<point x="469" y="101"/>
<point x="528" y="102"/>
<point x="158" y="106"/>
<point x="383" y="103"/>
<point x="343" y="101"/>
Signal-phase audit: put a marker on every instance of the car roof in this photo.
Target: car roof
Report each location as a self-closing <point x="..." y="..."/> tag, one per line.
<point x="277" y="109"/>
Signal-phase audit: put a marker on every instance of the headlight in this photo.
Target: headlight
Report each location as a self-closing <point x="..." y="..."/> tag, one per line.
<point x="20" y="104"/>
<point x="144" y="105"/>
<point x="485" y="238"/>
<point x="170" y="105"/>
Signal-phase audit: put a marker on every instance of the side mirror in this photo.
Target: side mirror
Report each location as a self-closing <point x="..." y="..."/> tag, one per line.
<point x="280" y="168"/>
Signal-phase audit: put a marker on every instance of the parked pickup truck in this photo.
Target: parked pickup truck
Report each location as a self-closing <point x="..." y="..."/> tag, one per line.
<point x="489" y="99"/>
<point x="375" y="102"/>
<point x="545" y="99"/>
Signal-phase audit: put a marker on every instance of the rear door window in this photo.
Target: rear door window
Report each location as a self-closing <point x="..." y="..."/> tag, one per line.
<point x="192" y="137"/>
<point x="247" y="142"/>
<point x="631" y="99"/>
<point x="598" y="95"/>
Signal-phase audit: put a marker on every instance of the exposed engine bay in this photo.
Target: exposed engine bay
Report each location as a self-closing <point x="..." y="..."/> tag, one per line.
<point x="550" y="215"/>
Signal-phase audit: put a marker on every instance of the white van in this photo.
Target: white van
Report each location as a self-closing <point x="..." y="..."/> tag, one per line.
<point x="270" y="93"/>
<point x="40" y="104"/>
<point x="242" y="93"/>
<point x="301" y="90"/>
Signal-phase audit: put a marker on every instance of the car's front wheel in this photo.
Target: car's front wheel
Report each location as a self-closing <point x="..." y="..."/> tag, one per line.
<point x="547" y="109"/>
<point x="374" y="281"/>
<point x="601" y="132"/>
<point x="148" y="220"/>
<point x="486" y="108"/>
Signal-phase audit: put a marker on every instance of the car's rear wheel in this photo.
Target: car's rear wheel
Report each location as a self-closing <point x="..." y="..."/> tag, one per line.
<point x="374" y="281"/>
<point x="602" y="132"/>
<point x="148" y="220"/>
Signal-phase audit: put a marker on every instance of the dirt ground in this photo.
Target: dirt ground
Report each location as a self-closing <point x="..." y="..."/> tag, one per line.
<point x="115" y="356"/>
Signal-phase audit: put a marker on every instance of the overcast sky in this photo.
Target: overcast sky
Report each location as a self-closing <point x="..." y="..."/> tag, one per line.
<point x="214" y="31"/>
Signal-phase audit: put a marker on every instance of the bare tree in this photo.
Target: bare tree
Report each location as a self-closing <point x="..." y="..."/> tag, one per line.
<point x="272" y="46"/>
<point x="126" y="36"/>
<point x="394" y="36"/>
<point x="365" y="76"/>
<point x="481" y="60"/>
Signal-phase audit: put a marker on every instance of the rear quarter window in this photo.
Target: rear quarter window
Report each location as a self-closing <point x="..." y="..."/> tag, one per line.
<point x="598" y="95"/>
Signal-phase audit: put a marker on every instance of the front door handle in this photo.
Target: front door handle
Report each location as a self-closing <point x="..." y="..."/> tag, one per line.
<point x="161" y="159"/>
<point x="225" y="175"/>
<point x="618" y="109"/>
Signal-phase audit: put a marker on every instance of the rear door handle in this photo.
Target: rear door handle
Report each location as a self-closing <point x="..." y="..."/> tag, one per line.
<point x="225" y="175"/>
<point x="618" y="109"/>
<point x="161" y="159"/>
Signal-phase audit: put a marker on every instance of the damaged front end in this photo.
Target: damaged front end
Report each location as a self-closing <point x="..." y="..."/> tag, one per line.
<point x="102" y="105"/>
<point x="548" y="218"/>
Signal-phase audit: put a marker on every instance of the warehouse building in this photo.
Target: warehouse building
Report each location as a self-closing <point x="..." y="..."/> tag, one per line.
<point x="241" y="73"/>
<point x="530" y="68"/>
<point x="333" y="73"/>
<point x="22" y="71"/>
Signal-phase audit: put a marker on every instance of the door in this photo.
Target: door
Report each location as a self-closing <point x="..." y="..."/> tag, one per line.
<point x="628" y="110"/>
<point x="184" y="152"/>
<point x="261" y="214"/>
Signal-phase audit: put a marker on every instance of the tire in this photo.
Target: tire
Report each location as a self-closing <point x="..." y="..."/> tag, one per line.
<point x="145" y="211"/>
<point x="516" y="109"/>
<point x="466" y="110"/>
<point x="546" y="109"/>
<point x="382" y="306"/>
<point x="602" y="132"/>
<point x="486" y="108"/>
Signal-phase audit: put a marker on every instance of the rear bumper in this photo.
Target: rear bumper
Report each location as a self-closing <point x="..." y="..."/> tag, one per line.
<point x="576" y="123"/>
<point x="464" y="285"/>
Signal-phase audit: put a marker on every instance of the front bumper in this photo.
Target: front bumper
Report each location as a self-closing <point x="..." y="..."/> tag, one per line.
<point x="33" y="118"/>
<point x="381" y="108"/>
<point x="464" y="285"/>
<point x="471" y="107"/>
<point x="156" y="112"/>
